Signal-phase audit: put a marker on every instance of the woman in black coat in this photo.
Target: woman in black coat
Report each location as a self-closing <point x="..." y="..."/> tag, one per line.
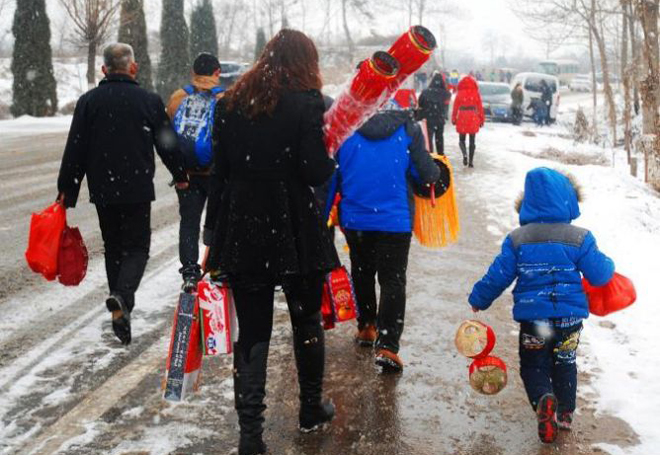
<point x="433" y="106"/>
<point x="264" y="224"/>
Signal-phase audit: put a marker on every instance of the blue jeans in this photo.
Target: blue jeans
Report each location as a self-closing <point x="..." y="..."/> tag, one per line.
<point x="548" y="351"/>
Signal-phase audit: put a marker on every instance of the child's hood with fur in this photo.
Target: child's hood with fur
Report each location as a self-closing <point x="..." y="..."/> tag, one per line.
<point x="550" y="197"/>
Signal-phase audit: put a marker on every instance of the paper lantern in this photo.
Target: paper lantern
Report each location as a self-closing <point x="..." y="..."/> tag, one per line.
<point x="474" y="339"/>
<point x="488" y="375"/>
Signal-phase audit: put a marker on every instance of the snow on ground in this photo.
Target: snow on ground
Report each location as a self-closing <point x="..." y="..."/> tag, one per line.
<point x="620" y="349"/>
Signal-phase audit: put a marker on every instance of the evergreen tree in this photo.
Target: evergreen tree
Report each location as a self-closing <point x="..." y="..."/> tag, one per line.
<point x="174" y="66"/>
<point x="133" y="31"/>
<point x="203" y="34"/>
<point x="261" y="43"/>
<point x="34" y="87"/>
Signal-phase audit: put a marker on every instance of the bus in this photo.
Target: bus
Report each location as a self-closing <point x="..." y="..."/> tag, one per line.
<point x="565" y="70"/>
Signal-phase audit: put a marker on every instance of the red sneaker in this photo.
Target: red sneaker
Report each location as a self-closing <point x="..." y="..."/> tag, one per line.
<point x="545" y="414"/>
<point x="565" y="420"/>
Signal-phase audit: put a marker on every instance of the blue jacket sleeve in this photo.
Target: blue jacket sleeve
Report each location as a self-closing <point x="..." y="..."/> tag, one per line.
<point x="597" y="268"/>
<point x="500" y="275"/>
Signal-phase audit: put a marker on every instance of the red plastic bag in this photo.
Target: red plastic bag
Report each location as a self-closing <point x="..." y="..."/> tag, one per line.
<point x="72" y="258"/>
<point x="46" y="229"/>
<point x="341" y="294"/>
<point x="326" y="309"/>
<point x="616" y="295"/>
<point x="217" y="317"/>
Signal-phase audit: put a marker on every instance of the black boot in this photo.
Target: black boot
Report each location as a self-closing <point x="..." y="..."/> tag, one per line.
<point x="309" y="349"/>
<point x="464" y="152"/>
<point x="471" y="156"/>
<point x="249" y="394"/>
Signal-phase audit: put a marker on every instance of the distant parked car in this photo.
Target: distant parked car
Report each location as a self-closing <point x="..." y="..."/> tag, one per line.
<point x="581" y="83"/>
<point x="230" y="72"/>
<point x="496" y="98"/>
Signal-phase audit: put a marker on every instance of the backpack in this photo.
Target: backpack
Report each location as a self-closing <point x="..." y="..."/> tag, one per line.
<point x="193" y="123"/>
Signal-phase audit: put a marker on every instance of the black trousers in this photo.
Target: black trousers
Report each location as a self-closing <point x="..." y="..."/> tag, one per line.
<point x="436" y="135"/>
<point x="473" y="141"/>
<point x="126" y="232"/>
<point x="254" y="307"/>
<point x="191" y="206"/>
<point x="548" y="362"/>
<point x="384" y="254"/>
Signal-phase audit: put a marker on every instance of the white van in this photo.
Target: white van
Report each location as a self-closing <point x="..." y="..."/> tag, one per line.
<point x="531" y="84"/>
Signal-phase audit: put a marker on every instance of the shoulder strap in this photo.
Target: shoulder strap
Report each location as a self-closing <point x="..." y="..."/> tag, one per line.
<point x="189" y="89"/>
<point x="217" y="90"/>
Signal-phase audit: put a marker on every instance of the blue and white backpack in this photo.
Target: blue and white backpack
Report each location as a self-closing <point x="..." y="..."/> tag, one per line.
<point x="193" y="123"/>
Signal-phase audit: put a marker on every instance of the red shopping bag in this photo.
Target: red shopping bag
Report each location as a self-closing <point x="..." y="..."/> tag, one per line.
<point x="217" y="317"/>
<point x="326" y="309"/>
<point x="341" y="294"/>
<point x="616" y="295"/>
<point x="46" y="229"/>
<point x="184" y="361"/>
<point x="72" y="257"/>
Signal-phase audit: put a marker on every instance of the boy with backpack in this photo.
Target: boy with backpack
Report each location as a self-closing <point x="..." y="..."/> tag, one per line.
<point x="191" y="109"/>
<point x="548" y="256"/>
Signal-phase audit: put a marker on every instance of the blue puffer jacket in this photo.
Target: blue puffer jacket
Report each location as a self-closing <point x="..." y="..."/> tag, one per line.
<point x="375" y="165"/>
<point x="546" y="254"/>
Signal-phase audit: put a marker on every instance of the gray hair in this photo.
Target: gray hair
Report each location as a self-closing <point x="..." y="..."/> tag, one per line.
<point x="118" y="57"/>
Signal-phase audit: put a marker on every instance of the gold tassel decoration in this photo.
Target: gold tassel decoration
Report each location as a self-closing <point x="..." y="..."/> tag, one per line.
<point x="436" y="219"/>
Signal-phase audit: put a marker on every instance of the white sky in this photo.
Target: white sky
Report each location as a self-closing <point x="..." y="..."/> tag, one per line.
<point x="466" y="30"/>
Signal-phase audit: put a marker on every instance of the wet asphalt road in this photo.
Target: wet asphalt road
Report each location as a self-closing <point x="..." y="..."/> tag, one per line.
<point x="111" y="403"/>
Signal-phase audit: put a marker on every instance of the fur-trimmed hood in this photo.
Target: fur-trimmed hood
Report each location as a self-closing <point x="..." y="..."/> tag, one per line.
<point x="550" y="197"/>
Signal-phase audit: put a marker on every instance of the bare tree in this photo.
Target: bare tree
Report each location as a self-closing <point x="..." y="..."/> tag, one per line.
<point x="647" y="11"/>
<point x="91" y="19"/>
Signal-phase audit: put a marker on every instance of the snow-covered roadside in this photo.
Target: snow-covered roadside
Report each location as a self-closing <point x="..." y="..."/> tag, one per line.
<point x="26" y="125"/>
<point x="621" y="349"/>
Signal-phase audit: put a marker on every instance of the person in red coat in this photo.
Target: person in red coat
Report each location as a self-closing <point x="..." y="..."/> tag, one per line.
<point x="467" y="115"/>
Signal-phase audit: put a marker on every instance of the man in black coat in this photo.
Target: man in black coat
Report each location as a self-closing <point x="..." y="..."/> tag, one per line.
<point x="113" y="133"/>
<point x="546" y="98"/>
<point x="433" y="106"/>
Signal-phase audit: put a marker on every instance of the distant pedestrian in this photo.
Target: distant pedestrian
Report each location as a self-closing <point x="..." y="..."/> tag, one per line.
<point x="433" y="107"/>
<point x="539" y="111"/>
<point x="468" y="116"/>
<point x="547" y="257"/>
<point x="264" y="225"/>
<point x="517" y="100"/>
<point x="546" y="98"/>
<point x="113" y="133"/>
<point x="376" y="166"/>
<point x="192" y="109"/>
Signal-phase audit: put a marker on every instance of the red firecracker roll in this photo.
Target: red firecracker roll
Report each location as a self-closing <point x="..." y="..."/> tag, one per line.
<point x="364" y="95"/>
<point x="412" y="50"/>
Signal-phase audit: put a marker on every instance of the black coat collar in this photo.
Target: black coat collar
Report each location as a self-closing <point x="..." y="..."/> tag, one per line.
<point x="118" y="77"/>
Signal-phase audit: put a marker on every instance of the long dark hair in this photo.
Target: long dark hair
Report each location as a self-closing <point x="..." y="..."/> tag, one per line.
<point x="289" y="62"/>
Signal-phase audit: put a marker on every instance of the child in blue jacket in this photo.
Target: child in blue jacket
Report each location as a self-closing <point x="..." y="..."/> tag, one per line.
<point x="548" y="256"/>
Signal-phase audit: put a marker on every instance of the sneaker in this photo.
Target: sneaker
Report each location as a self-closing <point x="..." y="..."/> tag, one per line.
<point x="565" y="420"/>
<point x="189" y="285"/>
<point x="545" y="414"/>
<point x="121" y="318"/>
<point x="388" y="361"/>
<point x="367" y="336"/>
<point x="465" y="161"/>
